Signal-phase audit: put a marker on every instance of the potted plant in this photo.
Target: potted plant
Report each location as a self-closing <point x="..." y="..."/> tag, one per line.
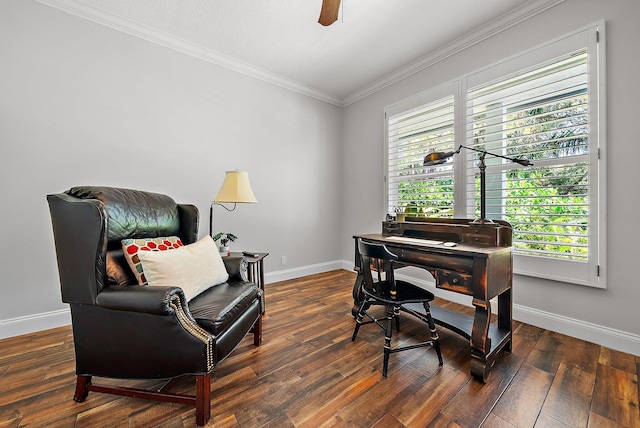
<point x="224" y="238"/>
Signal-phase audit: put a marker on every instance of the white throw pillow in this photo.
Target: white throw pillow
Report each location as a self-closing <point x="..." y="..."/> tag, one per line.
<point x="194" y="267"/>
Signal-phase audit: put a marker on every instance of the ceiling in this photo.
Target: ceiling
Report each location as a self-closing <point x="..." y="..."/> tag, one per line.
<point x="372" y="43"/>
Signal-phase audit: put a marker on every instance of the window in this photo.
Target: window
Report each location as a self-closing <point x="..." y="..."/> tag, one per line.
<point x="545" y="105"/>
<point x="412" y="134"/>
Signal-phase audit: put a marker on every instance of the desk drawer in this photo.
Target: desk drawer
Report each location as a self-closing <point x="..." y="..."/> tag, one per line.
<point x="454" y="281"/>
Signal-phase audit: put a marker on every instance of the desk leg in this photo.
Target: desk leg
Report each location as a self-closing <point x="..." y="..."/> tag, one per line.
<point x="480" y="340"/>
<point x="505" y="316"/>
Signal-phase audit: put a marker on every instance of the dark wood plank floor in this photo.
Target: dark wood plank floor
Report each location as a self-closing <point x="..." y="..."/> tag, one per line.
<point x="308" y="373"/>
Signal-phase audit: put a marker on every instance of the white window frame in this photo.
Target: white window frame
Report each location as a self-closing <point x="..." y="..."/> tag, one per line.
<point x="406" y="107"/>
<point x="593" y="272"/>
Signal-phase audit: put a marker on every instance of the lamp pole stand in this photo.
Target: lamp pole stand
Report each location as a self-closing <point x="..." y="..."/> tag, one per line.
<point x="211" y="221"/>
<point x="483" y="195"/>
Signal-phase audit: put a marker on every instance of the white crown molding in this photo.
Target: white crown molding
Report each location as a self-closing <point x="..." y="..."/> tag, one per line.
<point x="493" y="27"/>
<point x="502" y="23"/>
<point x="145" y="32"/>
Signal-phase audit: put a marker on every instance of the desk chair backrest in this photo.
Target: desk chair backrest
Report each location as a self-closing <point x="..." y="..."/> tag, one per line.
<point x="376" y="256"/>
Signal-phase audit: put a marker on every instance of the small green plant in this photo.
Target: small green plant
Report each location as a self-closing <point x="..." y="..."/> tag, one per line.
<point x="224" y="238"/>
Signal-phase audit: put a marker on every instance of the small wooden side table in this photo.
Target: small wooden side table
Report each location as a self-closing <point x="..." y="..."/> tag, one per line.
<point x="255" y="267"/>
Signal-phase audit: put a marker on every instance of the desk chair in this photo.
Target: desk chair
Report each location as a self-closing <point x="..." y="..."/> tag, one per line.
<point x="392" y="294"/>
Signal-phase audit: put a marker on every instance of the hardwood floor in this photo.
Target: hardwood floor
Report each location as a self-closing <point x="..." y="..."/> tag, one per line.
<point x="308" y="373"/>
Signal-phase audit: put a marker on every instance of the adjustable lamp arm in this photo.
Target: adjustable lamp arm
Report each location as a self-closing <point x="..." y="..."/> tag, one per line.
<point x="235" y="204"/>
<point x="436" y="158"/>
<point x="523" y="162"/>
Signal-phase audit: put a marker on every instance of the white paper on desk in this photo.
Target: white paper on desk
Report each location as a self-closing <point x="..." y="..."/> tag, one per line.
<point x="413" y="240"/>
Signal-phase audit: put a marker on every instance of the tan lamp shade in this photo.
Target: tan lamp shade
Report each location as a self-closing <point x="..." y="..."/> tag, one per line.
<point x="236" y="189"/>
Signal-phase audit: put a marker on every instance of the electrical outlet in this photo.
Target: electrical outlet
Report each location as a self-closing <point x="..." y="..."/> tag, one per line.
<point x="283" y="261"/>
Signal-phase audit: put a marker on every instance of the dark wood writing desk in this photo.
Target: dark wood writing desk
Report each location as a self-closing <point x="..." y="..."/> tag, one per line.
<point x="480" y="265"/>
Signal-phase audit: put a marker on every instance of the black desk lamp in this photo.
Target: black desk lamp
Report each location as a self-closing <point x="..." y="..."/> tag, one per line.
<point x="436" y="158"/>
<point x="235" y="189"/>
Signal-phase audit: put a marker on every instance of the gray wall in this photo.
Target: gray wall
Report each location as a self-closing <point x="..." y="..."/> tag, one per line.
<point x="83" y="104"/>
<point x="578" y="310"/>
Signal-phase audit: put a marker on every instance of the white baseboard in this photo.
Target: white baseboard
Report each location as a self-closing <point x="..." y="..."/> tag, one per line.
<point x="285" y="274"/>
<point x="604" y="336"/>
<point x="32" y="323"/>
<point x="601" y="335"/>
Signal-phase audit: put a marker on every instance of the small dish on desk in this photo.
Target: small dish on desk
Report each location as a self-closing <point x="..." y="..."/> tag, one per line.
<point x="450" y="244"/>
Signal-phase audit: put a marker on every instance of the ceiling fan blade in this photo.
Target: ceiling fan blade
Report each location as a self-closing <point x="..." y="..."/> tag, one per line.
<point x="329" y="12"/>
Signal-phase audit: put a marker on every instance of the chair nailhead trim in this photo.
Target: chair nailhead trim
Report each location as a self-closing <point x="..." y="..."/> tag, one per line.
<point x="193" y="328"/>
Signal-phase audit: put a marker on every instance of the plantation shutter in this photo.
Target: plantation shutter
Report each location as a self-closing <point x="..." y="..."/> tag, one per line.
<point x="541" y="114"/>
<point x="412" y="188"/>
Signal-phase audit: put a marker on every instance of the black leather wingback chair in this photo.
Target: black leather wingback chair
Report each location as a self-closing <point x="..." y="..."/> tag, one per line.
<point x="127" y="331"/>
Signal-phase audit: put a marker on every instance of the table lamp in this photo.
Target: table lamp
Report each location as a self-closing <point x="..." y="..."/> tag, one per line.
<point x="436" y="158"/>
<point x="235" y="189"/>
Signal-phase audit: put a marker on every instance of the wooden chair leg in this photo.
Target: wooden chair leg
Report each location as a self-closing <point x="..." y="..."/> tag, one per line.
<point x="257" y="331"/>
<point x="203" y="399"/>
<point x="359" y="317"/>
<point x="82" y="388"/>
<point x="387" y="340"/>
<point x="434" y="334"/>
